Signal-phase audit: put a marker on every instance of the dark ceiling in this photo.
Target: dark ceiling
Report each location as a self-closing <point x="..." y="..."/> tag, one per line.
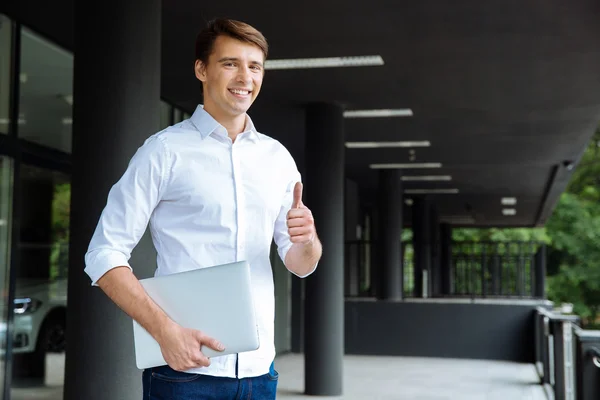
<point x="507" y="92"/>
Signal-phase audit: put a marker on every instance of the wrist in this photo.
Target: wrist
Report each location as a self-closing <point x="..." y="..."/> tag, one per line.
<point x="165" y="328"/>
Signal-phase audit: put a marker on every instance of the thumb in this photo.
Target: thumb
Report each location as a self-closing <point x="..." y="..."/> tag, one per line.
<point x="297" y="195"/>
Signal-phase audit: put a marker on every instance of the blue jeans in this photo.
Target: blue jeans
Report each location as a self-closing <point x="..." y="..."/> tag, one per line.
<point x="164" y="383"/>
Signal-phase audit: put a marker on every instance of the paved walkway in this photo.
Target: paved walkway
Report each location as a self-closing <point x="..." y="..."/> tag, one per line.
<point x="377" y="378"/>
<point x="408" y="378"/>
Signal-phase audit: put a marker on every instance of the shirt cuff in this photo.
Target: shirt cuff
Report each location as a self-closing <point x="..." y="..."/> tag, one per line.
<point x="99" y="262"/>
<point x="314" y="268"/>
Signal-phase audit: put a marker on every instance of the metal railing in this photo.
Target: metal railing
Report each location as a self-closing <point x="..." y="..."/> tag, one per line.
<point x="567" y="356"/>
<point x="477" y="269"/>
<point x="494" y="269"/>
<point x="360" y="276"/>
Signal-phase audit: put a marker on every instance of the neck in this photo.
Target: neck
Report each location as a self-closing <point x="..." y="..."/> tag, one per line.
<point x="234" y="124"/>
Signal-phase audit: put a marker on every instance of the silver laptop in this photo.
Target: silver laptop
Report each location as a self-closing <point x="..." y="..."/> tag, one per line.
<point x="216" y="300"/>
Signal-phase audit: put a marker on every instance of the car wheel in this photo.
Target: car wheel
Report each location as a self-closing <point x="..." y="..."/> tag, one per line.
<point x="53" y="334"/>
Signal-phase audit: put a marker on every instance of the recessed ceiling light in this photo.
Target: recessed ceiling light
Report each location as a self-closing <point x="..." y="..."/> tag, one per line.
<point x="405" y="166"/>
<point x="377" y="145"/>
<point x="325" y="62"/>
<point x="408" y="202"/>
<point x="509" y="201"/>
<point x="431" y="191"/>
<point x="509" y="211"/>
<point x="427" y="178"/>
<point x="380" y="113"/>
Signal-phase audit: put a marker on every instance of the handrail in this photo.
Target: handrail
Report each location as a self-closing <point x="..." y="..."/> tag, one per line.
<point x="569" y="356"/>
<point x="595" y="353"/>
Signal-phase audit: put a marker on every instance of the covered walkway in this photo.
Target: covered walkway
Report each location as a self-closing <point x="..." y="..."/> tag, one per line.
<point x="416" y="378"/>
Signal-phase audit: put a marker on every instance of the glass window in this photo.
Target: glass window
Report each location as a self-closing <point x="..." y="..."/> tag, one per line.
<point x="165" y="115"/>
<point x="46" y="93"/>
<point x="41" y="288"/>
<point x="5" y="34"/>
<point x="5" y="235"/>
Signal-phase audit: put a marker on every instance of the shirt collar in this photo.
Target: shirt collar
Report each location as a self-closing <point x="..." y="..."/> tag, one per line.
<point x="206" y="125"/>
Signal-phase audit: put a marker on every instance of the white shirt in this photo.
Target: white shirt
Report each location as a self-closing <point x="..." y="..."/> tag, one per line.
<point x="208" y="201"/>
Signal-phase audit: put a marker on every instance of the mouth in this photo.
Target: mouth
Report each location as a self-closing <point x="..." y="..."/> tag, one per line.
<point x="240" y="93"/>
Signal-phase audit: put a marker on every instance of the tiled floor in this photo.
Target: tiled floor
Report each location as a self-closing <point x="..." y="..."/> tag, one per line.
<point x="400" y="378"/>
<point x="377" y="378"/>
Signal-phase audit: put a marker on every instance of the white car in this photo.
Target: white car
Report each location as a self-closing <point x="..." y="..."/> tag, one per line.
<point x="40" y="310"/>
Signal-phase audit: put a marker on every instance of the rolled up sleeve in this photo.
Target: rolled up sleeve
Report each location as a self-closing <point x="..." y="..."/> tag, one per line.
<point x="281" y="235"/>
<point x="130" y="204"/>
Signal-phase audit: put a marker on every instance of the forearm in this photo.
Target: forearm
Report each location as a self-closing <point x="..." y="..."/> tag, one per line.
<point x="123" y="288"/>
<point x="302" y="258"/>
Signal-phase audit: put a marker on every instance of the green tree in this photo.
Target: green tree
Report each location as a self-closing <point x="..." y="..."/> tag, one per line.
<point x="574" y="229"/>
<point x="61" y="211"/>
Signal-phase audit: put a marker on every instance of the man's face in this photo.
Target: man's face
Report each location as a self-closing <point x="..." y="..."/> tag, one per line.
<point x="232" y="78"/>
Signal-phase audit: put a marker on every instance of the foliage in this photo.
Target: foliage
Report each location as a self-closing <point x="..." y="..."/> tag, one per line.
<point x="61" y="211"/>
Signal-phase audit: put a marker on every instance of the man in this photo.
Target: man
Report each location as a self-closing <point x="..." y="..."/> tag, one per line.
<point x="214" y="191"/>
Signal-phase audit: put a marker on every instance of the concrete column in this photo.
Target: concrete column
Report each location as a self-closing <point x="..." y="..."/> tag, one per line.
<point x="436" y="272"/>
<point x="422" y="245"/>
<point x="391" y="207"/>
<point x="540" y="273"/>
<point x="446" y="258"/>
<point x="375" y="252"/>
<point x="116" y="107"/>
<point x="324" y="304"/>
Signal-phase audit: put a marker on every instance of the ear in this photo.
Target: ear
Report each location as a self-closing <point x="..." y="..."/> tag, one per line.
<point x="200" y="70"/>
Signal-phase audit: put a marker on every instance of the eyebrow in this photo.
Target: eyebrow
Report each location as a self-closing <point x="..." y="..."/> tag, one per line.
<point x="225" y="59"/>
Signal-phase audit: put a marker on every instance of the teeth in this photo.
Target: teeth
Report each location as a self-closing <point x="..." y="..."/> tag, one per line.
<point x="236" y="91"/>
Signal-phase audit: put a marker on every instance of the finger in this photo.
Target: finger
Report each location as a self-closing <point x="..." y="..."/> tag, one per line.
<point x="304" y="230"/>
<point x="301" y="239"/>
<point x="298" y="222"/>
<point x="299" y="213"/>
<point x="297" y="195"/>
<point x="201" y="360"/>
<point x="212" y="343"/>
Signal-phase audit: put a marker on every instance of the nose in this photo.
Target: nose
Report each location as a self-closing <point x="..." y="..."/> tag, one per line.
<point x="244" y="75"/>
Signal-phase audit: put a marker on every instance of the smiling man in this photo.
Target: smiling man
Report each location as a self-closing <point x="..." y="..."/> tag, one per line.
<point x="214" y="190"/>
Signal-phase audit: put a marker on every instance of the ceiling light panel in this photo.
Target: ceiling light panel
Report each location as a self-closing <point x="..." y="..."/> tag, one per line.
<point x="427" y="178"/>
<point x="431" y="191"/>
<point x="378" y="113"/>
<point x="380" y="145"/>
<point x="406" y="166"/>
<point x="326" y="62"/>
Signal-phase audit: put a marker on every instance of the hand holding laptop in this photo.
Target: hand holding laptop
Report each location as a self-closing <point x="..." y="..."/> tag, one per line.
<point x="181" y="347"/>
<point x="203" y="304"/>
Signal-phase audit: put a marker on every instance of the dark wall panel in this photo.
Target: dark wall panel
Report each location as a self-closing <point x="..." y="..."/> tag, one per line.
<point x="436" y="329"/>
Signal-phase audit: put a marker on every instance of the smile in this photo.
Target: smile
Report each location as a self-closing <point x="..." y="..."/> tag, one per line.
<point x="240" y="92"/>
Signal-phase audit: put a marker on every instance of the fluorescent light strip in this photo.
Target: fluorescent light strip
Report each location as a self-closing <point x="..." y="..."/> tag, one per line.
<point x="458" y="219"/>
<point x="405" y="166"/>
<point x="378" y="145"/>
<point x="509" y="211"/>
<point x="381" y="113"/>
<point x="427" y="178"/>
<point x="326" y="62"/>
<point x="508" y="201"/>
<point x="431" y="191"/>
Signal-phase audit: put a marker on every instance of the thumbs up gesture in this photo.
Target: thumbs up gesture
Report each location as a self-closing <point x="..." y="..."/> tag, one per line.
<point x="300" y="222"/>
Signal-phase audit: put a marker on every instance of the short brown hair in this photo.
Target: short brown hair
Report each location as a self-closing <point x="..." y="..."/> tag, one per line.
<point x="241" y="31"/>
